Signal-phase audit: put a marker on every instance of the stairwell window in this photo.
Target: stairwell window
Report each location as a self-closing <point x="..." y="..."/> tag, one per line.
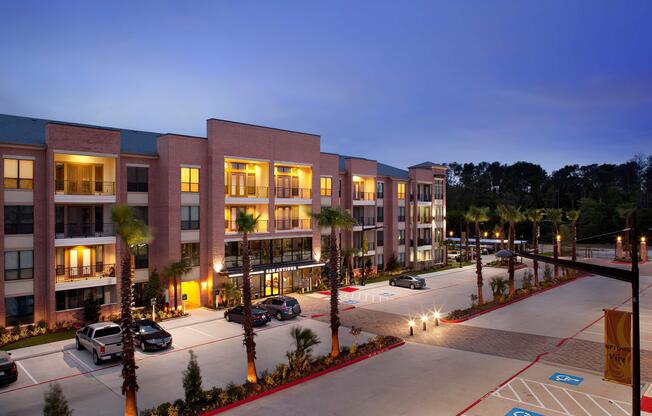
<point x="190" y="252"/>
<point x="326" y="184"/>
<point x="401" y="190"/>
<point x="189" y="179"/>
<point x="18" y="174"/>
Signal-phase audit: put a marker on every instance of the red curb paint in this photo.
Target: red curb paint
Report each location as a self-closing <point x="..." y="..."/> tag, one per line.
<point x="475" y="403"/>
<point x="348" y="289"/>
<point x="646" y="404"/>
<point x="625" y="262"/>
<point x="319" y="315"/>
<point x="301" y="380"/>
<point x="502" y="305"/>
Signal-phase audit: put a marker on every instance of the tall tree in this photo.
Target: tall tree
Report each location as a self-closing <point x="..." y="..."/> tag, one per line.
<point x="573" y="215"/>
<point x="555" y="216"/>
<point x="133" y="233"/>
<point x="477" y="215"/>
<point x="336" y="219"/>
<point x="246" y="224"/>
<point x="625" y="212"/>
<point x="535" y="215"/>
<point x="174" y="270"/>
<point x="510" y="215"/>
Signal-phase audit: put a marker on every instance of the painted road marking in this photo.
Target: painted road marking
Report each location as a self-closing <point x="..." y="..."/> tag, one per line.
<point x="19" y="364"/>
<point x="566" y="378"/>
<point x="387" y="294"/>
<point x="201" y="332"/>
<point x="521" y="412"/>
<point x="86" y="366"/>
<point x="350" y="302"/>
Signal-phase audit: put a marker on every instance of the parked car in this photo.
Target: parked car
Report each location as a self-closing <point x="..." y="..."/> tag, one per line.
<point x="150" y="335"/>
<point x="407" y="280"/>
<point x="103" y="340"/>
<point x="8" y="369"/>
<point x="282" y="307"/>
<point x="259" y="316"/>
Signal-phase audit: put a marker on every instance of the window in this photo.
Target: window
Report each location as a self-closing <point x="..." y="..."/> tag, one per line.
<point x="19" y="265"/>
<point x="189" y="179"/>
<point x="401" y="259"/>
<point x="141" y="213"/>
<point x="190" y="252"/>
<point x="380" y="261"/>
<point x="19" y="310"/>
<point x="380" y="190"/>
<point x="438" y="191"/>
<point x="339" y="190"/>
<point x="401" y="237"/>
<point x="380" y="213"/>
<point x="401" y="190"/>
<point x="380" y="238"/>
<point x="141" y="257"/>
<point x="19" y="219"/>
<point x="325" y="186"/>
<point x="401" y="214"/>
<point x="19" y="174"/>
<point x="74" y="298"/>
<point x="190" y="217"/>
<point x="137" y="179"/>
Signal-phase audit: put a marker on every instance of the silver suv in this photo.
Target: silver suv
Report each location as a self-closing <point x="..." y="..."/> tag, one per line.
<point x="282" y="307"/>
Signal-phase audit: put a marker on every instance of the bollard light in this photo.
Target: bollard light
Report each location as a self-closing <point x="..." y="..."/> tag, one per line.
<point x="436" y="315"/>
<point x="424" y="319"/>
<point x="411" y="323"/>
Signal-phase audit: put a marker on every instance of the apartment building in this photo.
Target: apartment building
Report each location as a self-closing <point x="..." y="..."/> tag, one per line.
<point x="61" y="181"/>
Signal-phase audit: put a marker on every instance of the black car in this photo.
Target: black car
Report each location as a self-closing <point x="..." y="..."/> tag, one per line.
<point x="282" y="307"/>
<point x="412" y="282"/>
<point x="259" y="316"/>
<point x="8" y="369"/>
<point x="150" y="335"/>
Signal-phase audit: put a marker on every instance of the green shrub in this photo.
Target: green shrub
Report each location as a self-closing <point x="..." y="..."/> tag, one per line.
<point x="55" y="402"/>
<point x="192" y="383"/>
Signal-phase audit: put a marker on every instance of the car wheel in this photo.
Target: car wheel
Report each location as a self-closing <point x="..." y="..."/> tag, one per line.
<point x="143" y="346"/>
<point x="411" y="285"/>
<point x="227" y="317"/>
<point x="77" y="344"/>
<point x="96" y="358"/>
<point x="279" y="316"/>
<point x="392" y="283"/>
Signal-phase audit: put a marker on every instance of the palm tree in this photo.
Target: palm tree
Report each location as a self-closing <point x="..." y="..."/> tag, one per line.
<point x="335" y="218"/>
<point x="467" y="250"/>
<point x="133" y="233"/>
<point x="478" y="215"/>
<point x="555" y="216"/>
<point x="573" y="216"/>
<point x="511" y="215"/>
<point x="625" y="212"/>
<point x="535" y="215"/>
<point x="174" y="270"/>
<point x="246" y="224"/>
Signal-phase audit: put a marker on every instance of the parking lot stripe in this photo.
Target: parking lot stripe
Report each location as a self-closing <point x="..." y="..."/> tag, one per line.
<point x="22" y="367"/>
<point x="532" y="393"/>
<point x="555" y="398"/>
<point x="202" y="332"/>
<point x="573" y="399"/>
<point x="79" y="360"/>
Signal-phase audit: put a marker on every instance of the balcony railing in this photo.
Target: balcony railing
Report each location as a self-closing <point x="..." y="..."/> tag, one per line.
<point x="299" y="193"/>
<point x="83" y="230"/>
<point x="424" y="220"/>
<point x="365" y="221"/>
<point x="293" y="224"/>
<point x="82" y="187"/>
<point x="364" y="196"/>
<point x="246" y="192"/>
<point x="231" y="226"/>
<point x="424" y="197"/>
<point x="96" y="271"/>
<point x="424" y="241"/>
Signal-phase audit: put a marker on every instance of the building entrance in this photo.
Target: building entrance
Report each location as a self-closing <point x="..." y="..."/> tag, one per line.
<point x="271" y="284"/>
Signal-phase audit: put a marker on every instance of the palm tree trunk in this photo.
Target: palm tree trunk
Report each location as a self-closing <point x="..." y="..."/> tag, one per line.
<point x="467" y="249"/>
<point x="250" y="344"/>
<point x="555" y="248"/>
<point x="535" y="246"/>
<point x="333" y="282"/>
<point x="129" y="383"/>
<point x="574" y="242"/>
<point x="478" y="263"/>
<point x="512" y="287"/>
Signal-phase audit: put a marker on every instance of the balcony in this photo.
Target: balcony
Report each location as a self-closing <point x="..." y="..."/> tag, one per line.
<point x="364" y="196"/>
<point x="293" y="224"/>
<point x="293" y="193"/>
<point x="82" y="187"/>
<point x="424" y="241"/>
<point x="424" y="197"/>
<point x="82" y="273"/>
<point x="365" y="221"/>
<point x="246" y="191"/>
<point x="232" y="226"/>
<point x="84" y="230"/>
<point x="424" y="220"/>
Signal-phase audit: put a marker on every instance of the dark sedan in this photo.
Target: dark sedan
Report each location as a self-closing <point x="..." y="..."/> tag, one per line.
<point x="259" y="316"/>
<point x="282" y="307"/>
<point x="412" y="282"/>
<point x="8" y="370"/>
<point x="150" y="335"/>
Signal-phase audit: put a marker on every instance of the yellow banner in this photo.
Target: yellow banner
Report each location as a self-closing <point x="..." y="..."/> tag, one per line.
<point x="618" y="346"/>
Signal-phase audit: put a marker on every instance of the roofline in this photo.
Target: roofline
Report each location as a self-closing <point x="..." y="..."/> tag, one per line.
<point x="263" y="127"/>
<point x="182" y="135"/>
<point x="72" y="123"/>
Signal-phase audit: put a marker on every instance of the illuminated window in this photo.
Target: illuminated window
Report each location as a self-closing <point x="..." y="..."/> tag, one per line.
<point x="189" y="179"/>
<point x="19" y="174"/>
<point x="326" y="186"/>
<point x="401" y="190"/>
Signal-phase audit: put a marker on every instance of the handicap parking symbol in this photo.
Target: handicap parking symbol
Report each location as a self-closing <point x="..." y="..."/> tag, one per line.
<point x="566" y="378"/>
<point x="521" y="412"/>
<point x="387" y="294"/>
<point x="350" y="302"/>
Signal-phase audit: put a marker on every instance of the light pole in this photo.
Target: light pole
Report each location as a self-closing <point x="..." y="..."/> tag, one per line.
<point x="424" y="319"/>
<point x="411" y="323"/>
<point x="152" y="301"/>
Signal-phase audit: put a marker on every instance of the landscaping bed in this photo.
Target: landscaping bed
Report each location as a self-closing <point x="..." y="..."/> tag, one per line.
<point x="218" y="400"/>
<point x="461" y="315"/>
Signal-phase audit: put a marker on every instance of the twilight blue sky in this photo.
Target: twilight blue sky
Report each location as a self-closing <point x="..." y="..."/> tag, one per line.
<point x="552" y="82"/>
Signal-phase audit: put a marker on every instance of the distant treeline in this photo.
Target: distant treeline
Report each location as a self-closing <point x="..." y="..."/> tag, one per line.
<point x="600" y="191"/>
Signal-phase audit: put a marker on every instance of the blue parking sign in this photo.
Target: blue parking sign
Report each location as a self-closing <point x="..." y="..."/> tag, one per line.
<point x="522" y="412"/>
<point x="566" y="378"/>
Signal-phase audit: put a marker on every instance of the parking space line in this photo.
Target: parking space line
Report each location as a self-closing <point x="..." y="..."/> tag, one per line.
<point x="532" y="393"/>
<point x="515" y="394"/>
<point x="573" y="399"/>
<point x="598" y="404"/>
<point x="618" y="406"/>
<point x="79" y="360"/>
<point x="555" y="397"/>
<point x="22" y="367"/>
<point x="202" y="332"/>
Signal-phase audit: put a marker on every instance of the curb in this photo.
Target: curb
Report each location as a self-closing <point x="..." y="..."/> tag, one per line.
<point x="301" y="380"/>
<point x="41" y="354"/>
<point x="502" y="305"/>
<point x="319" y="315"/>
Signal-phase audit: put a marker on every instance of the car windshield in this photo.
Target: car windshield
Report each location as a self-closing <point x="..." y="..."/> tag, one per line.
<point x="291" y="302"/>
<point x="258" y="311"/>
<point x="105" y="332"/>
<point x="149" y="328"/>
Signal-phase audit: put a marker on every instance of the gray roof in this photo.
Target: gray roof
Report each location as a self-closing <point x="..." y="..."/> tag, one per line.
<point x="31" y="131"/>
<point x="427" y="165"/>
<point x="381" y="168"/>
